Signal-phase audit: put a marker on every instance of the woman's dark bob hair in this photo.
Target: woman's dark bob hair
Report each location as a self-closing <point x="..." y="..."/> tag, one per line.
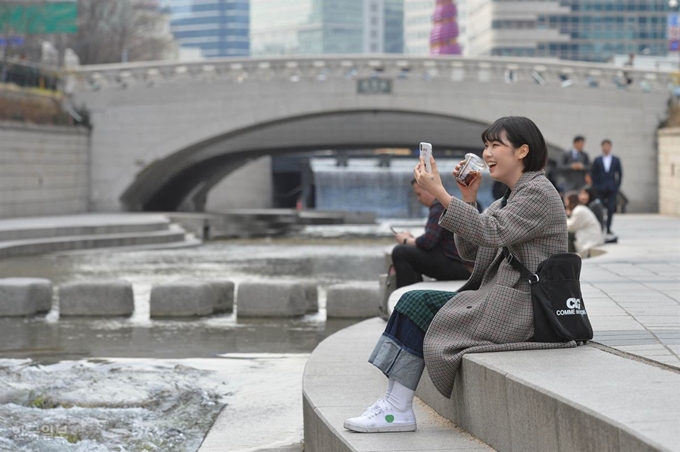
<point x="519" y="131"/>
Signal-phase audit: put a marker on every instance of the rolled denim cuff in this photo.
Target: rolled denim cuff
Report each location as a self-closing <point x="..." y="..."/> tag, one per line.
<point x="395" y="361"/>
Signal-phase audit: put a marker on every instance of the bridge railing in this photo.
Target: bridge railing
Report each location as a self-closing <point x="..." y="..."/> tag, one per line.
<point x="544" y="72"/>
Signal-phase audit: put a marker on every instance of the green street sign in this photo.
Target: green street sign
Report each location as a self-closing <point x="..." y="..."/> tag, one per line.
<point x="374" y="85"/>
<point x="39" y="18"/>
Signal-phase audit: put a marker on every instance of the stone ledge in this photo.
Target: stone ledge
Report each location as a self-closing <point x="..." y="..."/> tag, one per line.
<point x="582" y="399"/>
<point x="70" y="243"/>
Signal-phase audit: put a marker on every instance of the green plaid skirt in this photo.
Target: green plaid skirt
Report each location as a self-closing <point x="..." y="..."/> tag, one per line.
<point x="420" y="306"/>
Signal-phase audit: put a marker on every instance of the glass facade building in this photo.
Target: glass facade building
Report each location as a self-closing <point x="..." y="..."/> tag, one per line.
<point x="219" y="28"/>
<point x="585" y="30"/>
<point x="315" y="27"/>
<point x="275" y="24"/>
<point x="393" y="41"/>
<point x="599" y="29"/>
<point x="417" y="26"/>
<point x="333" y="27"/>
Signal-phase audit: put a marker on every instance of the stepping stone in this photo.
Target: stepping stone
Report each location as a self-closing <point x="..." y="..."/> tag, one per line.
<point x="224" y="296"/>
<point x="311" y="296"/>
<point x="182" y="299"/>
<point x="359" y="299"/>
<point x="96" y="298"/>
<point x="271" y="299"/>
<point x="24" y="296"/>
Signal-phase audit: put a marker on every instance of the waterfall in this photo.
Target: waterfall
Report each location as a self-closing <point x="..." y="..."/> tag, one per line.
<point x="364" y="186"/>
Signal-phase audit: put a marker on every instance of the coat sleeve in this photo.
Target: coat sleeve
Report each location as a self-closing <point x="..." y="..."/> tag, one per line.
<point x="620" y="168"/>
<point x="466" y="250"/>
<point x="521" y="220"/>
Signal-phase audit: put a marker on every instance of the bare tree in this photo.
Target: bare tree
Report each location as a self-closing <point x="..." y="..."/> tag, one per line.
<point x="109" y="31"/>
<point x="115" y="31"/>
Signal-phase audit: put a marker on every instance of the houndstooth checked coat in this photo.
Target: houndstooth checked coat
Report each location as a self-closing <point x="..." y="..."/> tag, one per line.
<point x="493" y="311"/>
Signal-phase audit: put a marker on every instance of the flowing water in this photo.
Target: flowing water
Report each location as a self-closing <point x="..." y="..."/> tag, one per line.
<point x="134" y="384"/>
<point x="363" y="185"/>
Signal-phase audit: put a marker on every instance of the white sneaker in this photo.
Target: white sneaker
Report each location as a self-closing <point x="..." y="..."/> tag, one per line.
<point x="382" y="417"/>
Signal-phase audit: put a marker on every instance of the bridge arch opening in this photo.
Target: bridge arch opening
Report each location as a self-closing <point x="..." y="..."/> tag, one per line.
<point x="190" y="173"/>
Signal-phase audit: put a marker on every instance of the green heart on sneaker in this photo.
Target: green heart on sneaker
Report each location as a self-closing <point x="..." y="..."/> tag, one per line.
<point x="389" y="418"/>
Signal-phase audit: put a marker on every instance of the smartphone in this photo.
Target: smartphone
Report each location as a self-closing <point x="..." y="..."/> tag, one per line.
<point x="426" y="153"/>
<point x="393" y="231"/>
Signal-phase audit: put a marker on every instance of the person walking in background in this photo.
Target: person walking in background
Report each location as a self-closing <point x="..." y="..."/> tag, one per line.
<point x="583" y="224"/>
<point x="492" y="312"/>
<point x="573" y="167"/>
<point x="433" y="254"/>
<point x="607" y="174"/>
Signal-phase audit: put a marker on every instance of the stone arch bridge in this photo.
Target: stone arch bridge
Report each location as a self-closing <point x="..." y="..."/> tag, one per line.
<point x="164" y="132"/>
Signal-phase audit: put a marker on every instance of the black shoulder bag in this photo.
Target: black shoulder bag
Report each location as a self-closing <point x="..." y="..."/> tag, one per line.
<point x="559" y="312"/>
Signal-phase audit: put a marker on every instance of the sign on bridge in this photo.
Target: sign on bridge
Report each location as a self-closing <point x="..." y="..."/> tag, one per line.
<point x="374" y="85"/>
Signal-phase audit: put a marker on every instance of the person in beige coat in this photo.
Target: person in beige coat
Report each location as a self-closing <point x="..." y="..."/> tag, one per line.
<point x="584" y="224"/>
<point x="492" y="311"/>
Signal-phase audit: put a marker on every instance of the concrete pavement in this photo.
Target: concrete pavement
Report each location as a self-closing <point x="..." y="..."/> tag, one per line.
<point x="632" y="291"/>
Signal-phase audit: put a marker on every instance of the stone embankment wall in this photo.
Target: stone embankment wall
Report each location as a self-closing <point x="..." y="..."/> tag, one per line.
<point x="44" y="170"/>
<point x="669" y="171"/>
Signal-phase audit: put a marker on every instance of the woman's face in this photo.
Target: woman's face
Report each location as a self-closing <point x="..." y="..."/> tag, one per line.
<point x="504" y="161"/>
<point x="584" y="197"/>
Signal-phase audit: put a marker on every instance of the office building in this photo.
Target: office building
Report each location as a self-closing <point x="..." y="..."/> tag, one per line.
<point x="315" y="27"/>
<point x="219" y="28"/>
<point x="586" y="30"/>
<point x="418" y="26"/>
<point x="275" y="24"/>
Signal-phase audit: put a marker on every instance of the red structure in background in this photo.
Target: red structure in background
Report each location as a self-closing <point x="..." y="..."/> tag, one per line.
<point x="444" y="36"/>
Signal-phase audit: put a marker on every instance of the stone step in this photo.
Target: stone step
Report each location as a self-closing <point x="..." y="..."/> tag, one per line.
<point x="79" y="225"/>
<point x="583" y="399"/>
<point x="339" y="383"/>
<point x="45" y="232"/>
<point x="174" y="235"/>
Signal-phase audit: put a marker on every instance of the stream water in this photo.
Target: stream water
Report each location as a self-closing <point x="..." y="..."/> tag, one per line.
<point x="138" y="384"/>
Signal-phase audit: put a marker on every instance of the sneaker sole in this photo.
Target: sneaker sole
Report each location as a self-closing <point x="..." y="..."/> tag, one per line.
<point x="384" y="429"/>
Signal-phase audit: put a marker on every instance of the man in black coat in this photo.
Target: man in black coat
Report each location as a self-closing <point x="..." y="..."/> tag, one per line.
<point x="607" y="174"/>
<point x="573" y="167"/>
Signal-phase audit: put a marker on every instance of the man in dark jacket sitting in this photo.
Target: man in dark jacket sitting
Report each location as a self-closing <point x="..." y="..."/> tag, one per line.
<point x="433" y="254"/>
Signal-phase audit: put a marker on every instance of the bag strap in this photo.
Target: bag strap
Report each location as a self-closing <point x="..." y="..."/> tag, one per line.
<point x="519" y="266"/>
<point x="511" y="258"/>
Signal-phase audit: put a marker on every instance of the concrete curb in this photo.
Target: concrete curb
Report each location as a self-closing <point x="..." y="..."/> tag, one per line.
<point x="582" y="399"/>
